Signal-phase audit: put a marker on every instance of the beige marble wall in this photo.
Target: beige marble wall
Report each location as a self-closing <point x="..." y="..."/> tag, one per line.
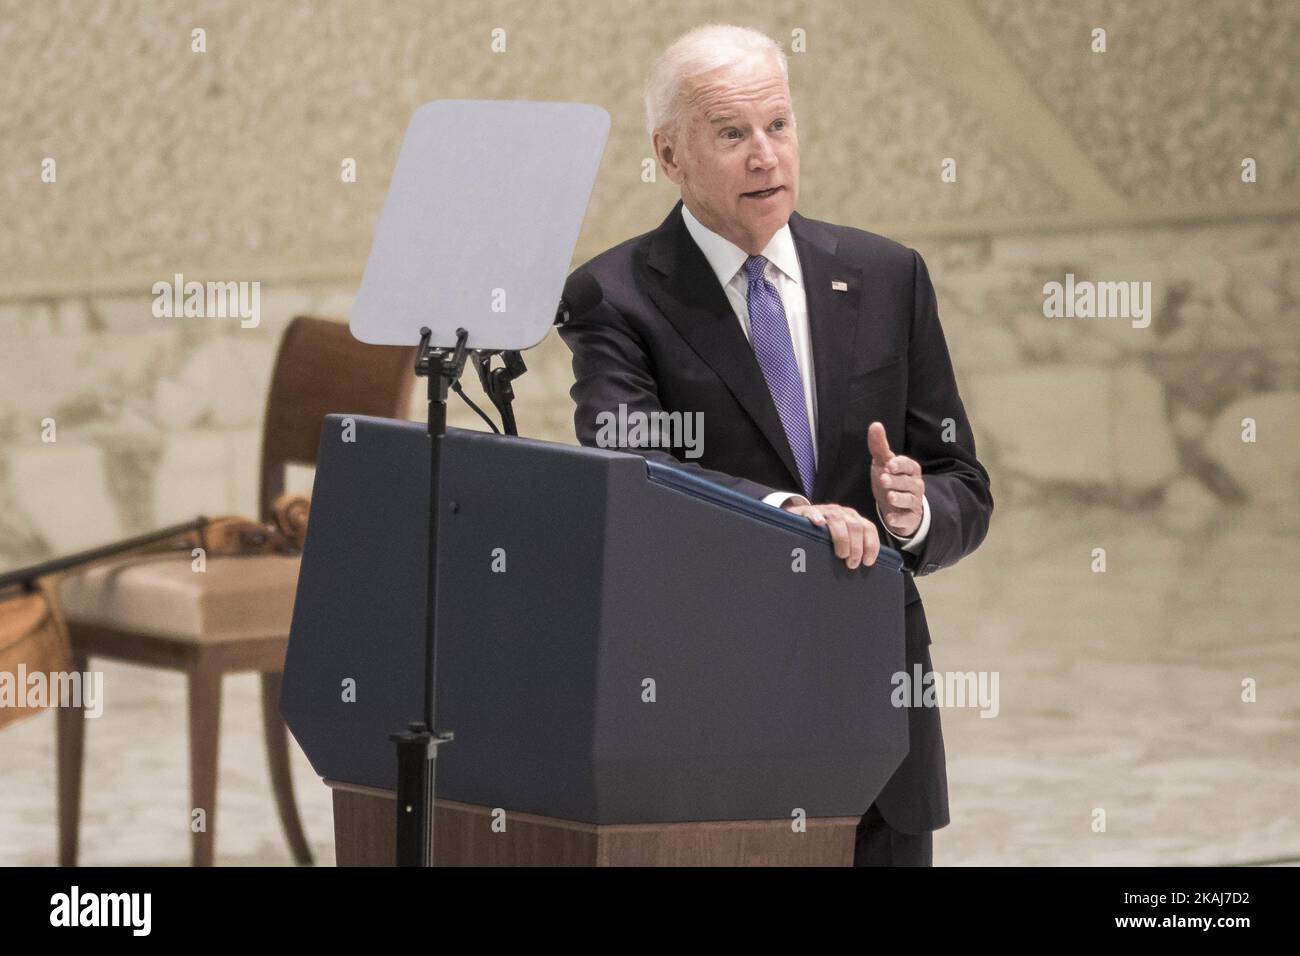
<point x="160" y="419"/>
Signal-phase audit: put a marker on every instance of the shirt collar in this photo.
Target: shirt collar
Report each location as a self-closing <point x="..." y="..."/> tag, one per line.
<point x="726" y="258"/>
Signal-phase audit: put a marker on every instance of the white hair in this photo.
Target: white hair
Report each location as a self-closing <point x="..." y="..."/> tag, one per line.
<point x="693" y="54"/>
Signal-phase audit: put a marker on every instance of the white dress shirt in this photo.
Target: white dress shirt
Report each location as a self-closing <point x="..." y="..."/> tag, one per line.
<point x="727" y="261"/>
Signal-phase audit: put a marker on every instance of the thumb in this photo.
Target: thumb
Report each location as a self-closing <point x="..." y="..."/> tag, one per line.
<point x="878" y="444"/>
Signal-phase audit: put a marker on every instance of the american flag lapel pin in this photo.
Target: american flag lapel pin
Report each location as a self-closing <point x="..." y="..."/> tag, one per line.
<point x="838" y="285"/>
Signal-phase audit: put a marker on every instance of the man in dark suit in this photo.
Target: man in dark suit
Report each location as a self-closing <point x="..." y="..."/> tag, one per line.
<point x="812" y="350"/>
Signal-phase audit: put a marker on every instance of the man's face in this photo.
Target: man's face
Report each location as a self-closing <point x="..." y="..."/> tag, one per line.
<point x="737" y="137"/>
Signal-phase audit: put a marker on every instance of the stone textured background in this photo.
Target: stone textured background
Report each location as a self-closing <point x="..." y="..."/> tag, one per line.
<point x="1119" y="690"/>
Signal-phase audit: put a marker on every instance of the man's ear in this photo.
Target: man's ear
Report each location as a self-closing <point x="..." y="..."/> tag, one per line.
<point x="666" y="154"/>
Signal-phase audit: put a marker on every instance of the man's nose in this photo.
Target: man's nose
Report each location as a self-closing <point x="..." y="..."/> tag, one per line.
<point x="762" y="155"/>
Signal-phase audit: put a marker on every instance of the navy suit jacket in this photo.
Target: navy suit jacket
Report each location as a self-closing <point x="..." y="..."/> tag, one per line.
<point x="665" y="338"/>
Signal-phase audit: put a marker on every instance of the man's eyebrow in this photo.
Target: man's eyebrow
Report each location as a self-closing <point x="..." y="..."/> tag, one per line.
<point x="730" y="118"/>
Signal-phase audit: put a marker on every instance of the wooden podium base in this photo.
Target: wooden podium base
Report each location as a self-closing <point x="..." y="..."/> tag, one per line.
<point x="365" y="819"/>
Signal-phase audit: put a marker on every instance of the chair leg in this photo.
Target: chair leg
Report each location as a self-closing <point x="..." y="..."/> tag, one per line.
<point x="69" y="760"/>
<point x="277" y="754"/>
<point x="205" y="725"/>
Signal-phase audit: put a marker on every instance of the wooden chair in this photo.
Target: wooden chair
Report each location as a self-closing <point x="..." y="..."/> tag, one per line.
<point x="155" y="610"/>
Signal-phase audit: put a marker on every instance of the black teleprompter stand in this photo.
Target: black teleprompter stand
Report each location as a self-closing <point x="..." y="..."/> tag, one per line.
<point x="417" y="747"/>
<point x="540" y="161"/>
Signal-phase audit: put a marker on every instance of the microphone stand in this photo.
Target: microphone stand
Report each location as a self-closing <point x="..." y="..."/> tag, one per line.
<point x="417" y="747"/>
<point x="496" y="383"/>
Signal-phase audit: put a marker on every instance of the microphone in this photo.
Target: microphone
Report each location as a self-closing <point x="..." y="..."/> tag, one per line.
<point x="582" y="293"/>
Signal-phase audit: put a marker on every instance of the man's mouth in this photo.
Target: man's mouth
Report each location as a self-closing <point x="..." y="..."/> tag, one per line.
<point x="763" y="193"/>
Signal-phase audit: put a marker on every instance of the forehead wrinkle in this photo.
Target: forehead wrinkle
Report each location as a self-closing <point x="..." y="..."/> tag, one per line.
<point x="723" y="97"/>
<point x="778" y="107"/>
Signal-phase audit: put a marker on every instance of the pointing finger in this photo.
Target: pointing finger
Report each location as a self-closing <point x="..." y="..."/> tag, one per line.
<point x="878" y="444"/>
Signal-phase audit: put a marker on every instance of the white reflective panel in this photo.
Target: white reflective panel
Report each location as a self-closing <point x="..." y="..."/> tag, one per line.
<point x="480" y="222"/>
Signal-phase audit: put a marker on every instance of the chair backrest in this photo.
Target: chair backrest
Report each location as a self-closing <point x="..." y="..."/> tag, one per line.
<point x="321" y="369"/>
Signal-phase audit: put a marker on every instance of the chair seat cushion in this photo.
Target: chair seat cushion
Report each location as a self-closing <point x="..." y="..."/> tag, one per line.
<point x="235" y="597"/>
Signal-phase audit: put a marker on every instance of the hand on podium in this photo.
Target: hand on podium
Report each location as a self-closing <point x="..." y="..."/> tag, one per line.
<point x="855" y="537"/>
<point x="899" y="490"/>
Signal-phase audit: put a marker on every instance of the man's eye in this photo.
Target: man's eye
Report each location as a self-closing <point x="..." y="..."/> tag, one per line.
<point x="729" y="131"/>
<point x="779" y="124"/>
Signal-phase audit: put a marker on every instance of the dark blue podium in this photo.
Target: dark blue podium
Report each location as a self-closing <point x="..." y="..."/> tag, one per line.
<point x="639" y="665"/>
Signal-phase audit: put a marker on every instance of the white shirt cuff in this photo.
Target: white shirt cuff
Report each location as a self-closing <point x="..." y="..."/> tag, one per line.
<point x="912" y="544"/>
<point x="777" y="498"/>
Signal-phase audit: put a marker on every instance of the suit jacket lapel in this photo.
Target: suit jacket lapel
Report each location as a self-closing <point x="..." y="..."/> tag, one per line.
<point x="696" y="305"/>
<point x="692" y="300"/>
<point x="833" y="319"/>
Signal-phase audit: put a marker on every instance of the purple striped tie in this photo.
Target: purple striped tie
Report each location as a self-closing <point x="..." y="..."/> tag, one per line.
<point x="769" y="334"/>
